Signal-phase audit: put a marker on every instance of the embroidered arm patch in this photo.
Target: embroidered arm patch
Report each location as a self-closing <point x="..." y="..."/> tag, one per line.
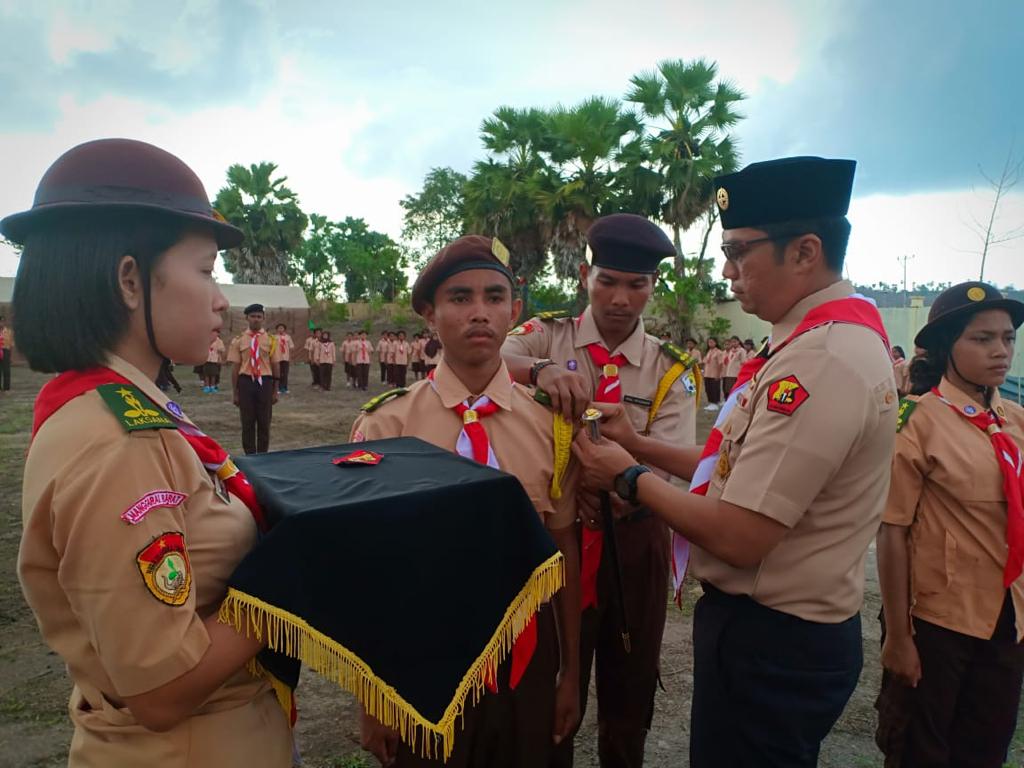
<point x="165" y="568"/>
<point x="785" y="395"/>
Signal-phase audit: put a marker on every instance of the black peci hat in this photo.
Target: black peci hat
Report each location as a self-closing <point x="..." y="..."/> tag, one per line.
<point x="119" y="174"/>
<point x="253" y="308"/>
<point x="628" y="243"/>
<point x="966" y="299"/>
<point x="787" y="189"/>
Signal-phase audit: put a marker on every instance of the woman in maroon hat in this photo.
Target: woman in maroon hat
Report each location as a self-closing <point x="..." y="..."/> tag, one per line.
<point x="951" y="545"/>
<point x="133" y="518"/>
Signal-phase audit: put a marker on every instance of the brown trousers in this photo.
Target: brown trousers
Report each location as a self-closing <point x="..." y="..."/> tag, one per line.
<point x="326" y="374"/>
<point x="507" y="729"/>
<point x="714" y="387"/>
<point x="362" y="375"/>
<point x="285" y="367"/>
<point x="963" y="712"/>
<point x="400" y="374"/>
<point x="626" y="683"/>
<point x="255" y="405"/>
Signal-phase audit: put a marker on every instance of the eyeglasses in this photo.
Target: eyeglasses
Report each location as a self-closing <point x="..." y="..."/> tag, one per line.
<point x="736" y="248"/>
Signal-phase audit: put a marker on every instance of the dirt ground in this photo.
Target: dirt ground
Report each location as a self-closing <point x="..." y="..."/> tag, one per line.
<point x="34" y="729"/>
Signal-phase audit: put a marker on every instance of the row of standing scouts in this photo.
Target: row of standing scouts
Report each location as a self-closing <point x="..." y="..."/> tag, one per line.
<point x="134" y="519"/>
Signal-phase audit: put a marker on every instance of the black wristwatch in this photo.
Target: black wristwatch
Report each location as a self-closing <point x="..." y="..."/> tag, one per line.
<point x="625" y="483"/>
<point x="537" y="367"/>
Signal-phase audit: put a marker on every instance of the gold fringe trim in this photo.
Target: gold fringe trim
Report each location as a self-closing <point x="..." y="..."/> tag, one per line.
<point x="291" y="635"/>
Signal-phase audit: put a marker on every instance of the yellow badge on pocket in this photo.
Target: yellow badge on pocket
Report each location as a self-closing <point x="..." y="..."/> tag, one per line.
<point x="723" y="468"/>
<point x="165" y="568"/>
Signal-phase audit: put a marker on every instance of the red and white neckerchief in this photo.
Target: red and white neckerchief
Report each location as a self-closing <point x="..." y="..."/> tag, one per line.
<point x="254" y="357"/>
<point x="854" y="310"/>
<point x="1" y="344"/>
<point x="609" y="390"/>
<point x="473" y="442"/>
<point x="1009" y="458"/>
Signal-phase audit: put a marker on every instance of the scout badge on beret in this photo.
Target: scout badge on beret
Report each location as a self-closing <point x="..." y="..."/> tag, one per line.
<point x="410" y="594"/>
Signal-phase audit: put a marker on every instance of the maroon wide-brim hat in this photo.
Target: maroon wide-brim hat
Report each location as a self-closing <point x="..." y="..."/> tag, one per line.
<point x="966" y="299"/>
<point x="119" y="174"/>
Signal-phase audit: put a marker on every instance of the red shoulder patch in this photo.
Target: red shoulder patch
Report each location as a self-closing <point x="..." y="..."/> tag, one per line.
<point x="787" y="394"/>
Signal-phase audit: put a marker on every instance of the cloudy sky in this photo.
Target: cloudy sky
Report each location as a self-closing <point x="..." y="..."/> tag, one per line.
<point x="357" y="101"/>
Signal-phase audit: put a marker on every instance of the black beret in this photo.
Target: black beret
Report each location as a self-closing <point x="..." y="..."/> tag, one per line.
<point x="788" y="189"/>
<point x="121" y="175"/>
<point x="253" y="308"/>
<point x="467" y="252"/>
<point x="966" y="299"/>
<point x="628" y="243"/>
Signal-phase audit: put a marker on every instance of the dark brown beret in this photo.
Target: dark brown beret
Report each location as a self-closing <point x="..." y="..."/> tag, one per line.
<point x="468" y="252"/>
<point x="965" y="299"/>
<point x="628" y="243"/>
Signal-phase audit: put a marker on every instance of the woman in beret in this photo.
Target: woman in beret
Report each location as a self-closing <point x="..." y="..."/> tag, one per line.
<point x="951" y="544"/>
<point x="133" y="518"/>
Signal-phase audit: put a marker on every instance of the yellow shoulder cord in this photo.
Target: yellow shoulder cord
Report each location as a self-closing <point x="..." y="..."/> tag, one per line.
<point x="561" y="431"/>
<point x="670" y="378"/>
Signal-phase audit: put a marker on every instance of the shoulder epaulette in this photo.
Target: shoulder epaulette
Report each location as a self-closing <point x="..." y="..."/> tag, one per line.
<point x="676" y="353"/>
<point x="907" y="406"/>
<point x="132" y="408"/>
<point x="554" y="314"/>
<point x="374" y="403"/>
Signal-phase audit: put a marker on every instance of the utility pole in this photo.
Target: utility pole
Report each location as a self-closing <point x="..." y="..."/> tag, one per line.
<point x="904" y="259"/>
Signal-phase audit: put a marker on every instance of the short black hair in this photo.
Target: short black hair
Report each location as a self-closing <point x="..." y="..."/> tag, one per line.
<point x="69" y="269"/>
<point x="281" y="325"/>
<point x="833" y="231"/>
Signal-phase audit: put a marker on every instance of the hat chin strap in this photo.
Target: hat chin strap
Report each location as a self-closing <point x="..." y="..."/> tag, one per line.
<point x="981" y="389"/>
<point x="165" y="362"/>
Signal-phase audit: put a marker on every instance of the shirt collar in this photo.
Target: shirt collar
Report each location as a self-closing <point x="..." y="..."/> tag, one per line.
<point x="148" y="387"/>
<point x="452" y="391"/>
<point x="785" y="327"/>
<point x="966" y="404"/>
<point x="632" y="347"/>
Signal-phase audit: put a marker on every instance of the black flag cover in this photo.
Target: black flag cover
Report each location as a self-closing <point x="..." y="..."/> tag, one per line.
<point x="404" y="577"/>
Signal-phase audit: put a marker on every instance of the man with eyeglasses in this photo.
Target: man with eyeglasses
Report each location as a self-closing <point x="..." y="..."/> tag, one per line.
<point x="788" y="493"/>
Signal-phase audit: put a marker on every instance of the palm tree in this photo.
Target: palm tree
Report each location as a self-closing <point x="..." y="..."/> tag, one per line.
<point x="501" y="195"/>
<point x="268" y="213"/>
<point x="585" y="142"/>
<point x="689" y="115"/>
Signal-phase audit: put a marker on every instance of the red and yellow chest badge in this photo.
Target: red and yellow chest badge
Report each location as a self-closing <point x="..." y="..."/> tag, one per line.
<point x="165" y="568"/>
<point x="358" y="457"/>
<point x="787" y="394"/>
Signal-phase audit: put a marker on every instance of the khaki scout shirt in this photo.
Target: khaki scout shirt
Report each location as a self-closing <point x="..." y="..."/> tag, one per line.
<point x="327" y="353"/>
<point x="308" y="346"/>
<point x="78" y="569"/>
<point x="216" y="352"/>
<point x="714" y="363"/>
<point x="734" y="360"/>
<point x="284" y="346"/>
<point x="519" y="433"/>
<point x="400" y="350"/>
<point x="565" y="341"/>
<point x="947" y="486"/>
<point x="238" y="353"/>
<point x="822" y="470"/>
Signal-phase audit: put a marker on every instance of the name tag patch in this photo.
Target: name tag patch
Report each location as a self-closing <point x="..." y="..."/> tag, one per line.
<point x="153" y="500"/>
<point x="638" y="401"/>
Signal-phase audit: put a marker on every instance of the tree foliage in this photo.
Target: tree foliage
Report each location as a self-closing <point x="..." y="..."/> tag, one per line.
<point x="548" y="173"/>
<point x="371" y="263"/>
<point x="268" y="213"/>
<point x="435" y="215"/>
